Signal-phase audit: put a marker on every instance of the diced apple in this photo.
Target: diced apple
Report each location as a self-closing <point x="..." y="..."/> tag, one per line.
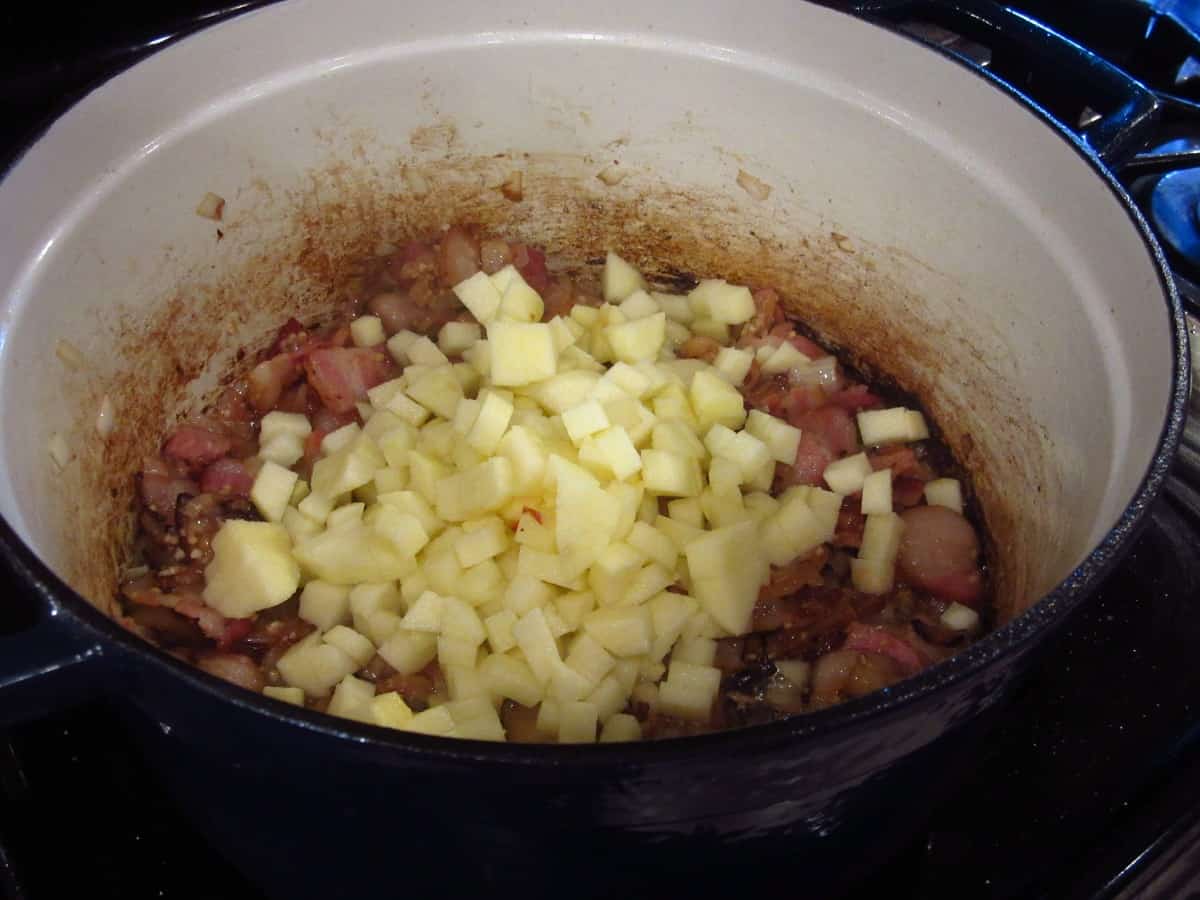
<point x="352" y="699"/>
<point x="520" y="302"/>
<point x="639" y="305"/>
<point x="689" y="691"/>
<point x="403" y="530"/>
<point x="272" y="490"/>
<point x="340" y="438"/>
<point x="619" y="279"/>
<point x="620" y="728"/>
<point x="945" y="492"/>
<point x="638" y="340"/>
<point x="678" y="438"/>
<point x="526" y="457"/>
<point x="716" y="401"/>
<point x="365" y="600"/>
<point x="872" y="576"/>
<point x="479" y="295"/>
<point x="881" y="537"/>
<point x="781" y="438"/>
<point x="399" y="343"/>
<point x="577" y="721"/>
<point x="960" y="618"/>
<point x="465" y="684"/>
<point x="686" y="510"/>
<point x="499" y="630"/>
<point x="521" y="353"/>
<point x="292" y="695"/>
<point x="459" y="620"/>
<point x="347" y="468"/>
<point x="435" y="721"/>
<point x="453" y="651"/>
<point x="608" y="697"/>
<point x="443" y="571"/>
<point x="438" y="390"/>
<point x="481" y="583"/>
<point x="408" y="409"/>
<point x="415" y="505"/>
<point x="706" y="327"/>
<point x="586" y="517"/>
<point x="314" y="667"/>
<point x="574" y="606"/>
<point x="583" y="420"/>
<point x="455" y="337"/>
<point x="488" y="429"/>
<point x="877" y="493"/>
<point x="720" y="301"/>
<point x="367" y="331"/>
<point x="252" y="568"/>
<point x="733" y="365"/>
<point x="426" y="614"/>
<point x="669" y="474"/>
<point x="653" y="544"/>
<point x="792" y="531"/>
<point x="526" y="592"/>
<point x="612" y="572"/>
<point x="479" y="490"/>
<point x="621" y="630"/>
<point x="390" y="711"/>
<point x="611" y="451"/>
<point x="891" y="426"/>
<point x="846" y="476"/>
<point x="346" y="516"/>
<point x="511" y="678"/>
<point x="325" y="605"/>
<point x="699" y="651"/>
<point x="350" y="642"/>
<point x="727" y="568"/>
<point x="409" y="652"/>
<point x="488" y="540"/>
<point x="352" y="555"/>
<point x="380" y="626"/>
<point x="537" y="644"/>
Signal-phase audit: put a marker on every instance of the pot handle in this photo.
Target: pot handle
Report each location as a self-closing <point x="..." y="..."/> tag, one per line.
<point x="1048" y="67"/>
<point x="52" y="662"/>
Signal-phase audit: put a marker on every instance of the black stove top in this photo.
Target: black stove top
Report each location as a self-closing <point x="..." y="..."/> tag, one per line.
<point x="1089" y="784"/>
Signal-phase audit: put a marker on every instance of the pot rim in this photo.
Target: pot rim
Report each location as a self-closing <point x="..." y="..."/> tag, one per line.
<point x="1042" y="616"/>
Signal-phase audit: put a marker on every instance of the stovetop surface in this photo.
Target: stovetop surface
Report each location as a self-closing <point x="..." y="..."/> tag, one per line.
<point x="1089" y="785"/>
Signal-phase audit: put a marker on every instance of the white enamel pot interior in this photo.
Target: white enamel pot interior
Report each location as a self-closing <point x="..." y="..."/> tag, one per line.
<point x="922" y="218"/>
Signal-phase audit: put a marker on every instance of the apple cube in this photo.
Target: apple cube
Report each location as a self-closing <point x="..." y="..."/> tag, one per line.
<point x="678" y="438"/>
<point x="699" y="651"/>
<point x="499" y="630"/>
<point x="960" y="618"/>
<point x="314" y="667"/>
<point x="620" y="728"/>
<point x="252" y="568"/>
<point x="526" y="592"/>
<point x="574" y="606"/>
<point x="390" y="710"/>
<point x="438" y="390"/>
<point x="453" y="651"/>
<point x="416" y="506"/>
<point x="637" y="340"/>
<point x="488" y="429"/>
<point x="272" y="490"/>
<point x="365" y="600"/>
<point x="292" y="695"/>
<point x="881" y="537"/>
<point x="733" y="365"/>
<point x="877" y="493"/>
<point x="455" y="337"/>
<point x="639" y="305"/>
<point x="510" y="677"/>
<point x="720" y="301"/>
<point x="526" y="457"/>
<point x="346" y="516"/>
<point x="706" y="327"/>
<point x="784" y="358"/>
<point x="347" y="468"/>
<point x="653" y="544"/>
<point x="727" y="567"/>
<point x="689" y="691"/>
<point x="352" y="699"/>
<point x="353" y="644"/>
<point x="481" y="583"/>
<point x="872" y="576"/>
<point x="621" y="630"/>
<point x="846" y="476"/>
<point x="583" y="420"/>
<point x="781" y="438"/>
<point x="611" y="451"/>
<point x="352" y="555"/>
<point x="409" y="652"/>
<point x="945" y="492"/>
<point x="619" y="279"/>
<point x="442" y="569"/>
<point x="465" y="684"/>
<point x="566" y="685"/>
<point x="608" y="697"/>
<point x="577" y="721"/>
<point x="479" y="295"/>
<point x="367" y="331"/>
<point x="479" y="490"/>
<point x="669" y="474"/>
<point x="792" y="531"/>
<point x="612" y="572"/>
<point x="436" y="721"/>
<point x="401" y="529"/>
<point x="537" y="644"/>
<point x="407" y="409"/>
<point x="521" y="353"/>
<point x="891" y="426"/>
<point x="489" y="538"/>
<point x="716" y="401"/>
<point x="325" y="605"/>
<point x="277" y="424"/>
<point x="585" y="516"/>
<point x="520" y="302"/>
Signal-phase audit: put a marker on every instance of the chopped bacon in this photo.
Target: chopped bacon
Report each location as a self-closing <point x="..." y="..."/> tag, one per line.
<point x="800" y="400"/>
<point x="699" y="346"/>
<point x="874" y="639"/>
<point x="414" y="260"/>
<point x="811" y="349"/>
<point x="799" y="573"/>
<point x="768" y="314"/>
<point x="227" y="477"/>
<point x="457" y="256"/>
<point x="211" y="622"/>
<point x="907" y="491"/>
<point x="825" y="434"/>
<point x="531" y="263"/>
<point x="901" y="459"/>
<point x="234" y="668"/>
<point x="939" y="552"/>
<point x="290" y="337"/>
<point x="850" y="525"/>
<point x="196" y="446"/>
<point x="856" y="397"/>
<point x="235" y="630"/>
<point x="342" y="376"/>
<point x="268" y="380"/>
<point x="161" y="490"/>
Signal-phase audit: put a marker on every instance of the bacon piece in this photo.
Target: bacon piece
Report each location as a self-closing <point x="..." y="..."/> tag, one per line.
<point x="235" y="630"/>
<point x="227" y="477"/>
<point x="342" y="376"/>
<point x="268" y="380"/>
<point x="211" y="622"/>
<point x="939" y="552"/>
<point x="875" y="639"/>
<point x="856" y="397"/>
<point x="531" y="263"/>
<point x="196" y="446"/>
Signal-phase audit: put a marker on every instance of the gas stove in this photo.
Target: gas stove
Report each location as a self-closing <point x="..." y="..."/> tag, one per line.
<point x="1089" y="782"/>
